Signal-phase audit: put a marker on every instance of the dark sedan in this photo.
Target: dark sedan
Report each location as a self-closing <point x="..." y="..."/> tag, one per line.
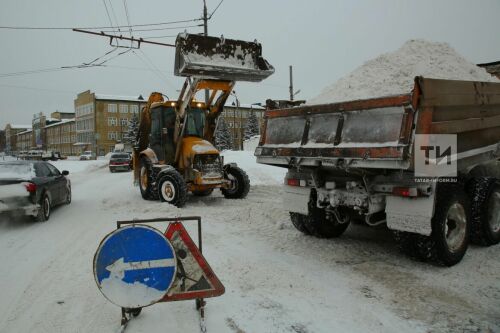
<point x="32" y="188"/>
<point x="120" y="161"/>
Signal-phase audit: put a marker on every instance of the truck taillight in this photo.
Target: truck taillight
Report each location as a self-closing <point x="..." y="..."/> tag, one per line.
<point x="295" y="182"/>
<point x="405" y="191"/>
<point x="30" y="187"/>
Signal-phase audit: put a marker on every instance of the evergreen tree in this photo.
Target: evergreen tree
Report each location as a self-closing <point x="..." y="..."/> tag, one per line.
<point x="133" y="128"/>
<point x="252" y="126"/>
<point x="223" y="137"/>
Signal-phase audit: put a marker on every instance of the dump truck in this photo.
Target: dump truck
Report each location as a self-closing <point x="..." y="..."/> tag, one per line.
<point x="174" y="152"/>
<point x="425" y="164"/>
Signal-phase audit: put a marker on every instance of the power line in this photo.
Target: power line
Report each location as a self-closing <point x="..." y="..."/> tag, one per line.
<point x="213" y="12"/>
<point x="153" y="68"/>
<point x="102" y="27"/>
<point x="40" y="89"/>
<point x="157" y="29"/>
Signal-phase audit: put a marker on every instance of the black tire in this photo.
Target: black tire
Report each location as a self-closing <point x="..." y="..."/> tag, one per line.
<point x="68" y="196"/>
<point x="450" y="224"/>
<point x="299" y="222"/>
<point x="241" y="183"/>
<point x="319" y="224"/>
<point x="172" y="188"/>
<point x="203" y="193"/>
<point x="485" y="208"/>
<point x="111" y="170"/>
<point x="147" y="185"/>
<point x="45" y="209"/>
<point x="408" y="244"/>
<point x="133" y="311"/>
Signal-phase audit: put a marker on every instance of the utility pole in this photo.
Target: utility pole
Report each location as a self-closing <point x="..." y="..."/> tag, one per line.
<point x="205" y="30"/>
<point x="291" y="83"/>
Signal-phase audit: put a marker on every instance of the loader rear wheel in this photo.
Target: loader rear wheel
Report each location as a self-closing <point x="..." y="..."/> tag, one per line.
<point x="449" y="238"/>
<point x="299" y="222"/>
<point x="147" y="179"/>
<point x="240" y="183"/>
<point x="485" y="211"/>
<point x="320" y="225"/>
<point x="172" y="188"/>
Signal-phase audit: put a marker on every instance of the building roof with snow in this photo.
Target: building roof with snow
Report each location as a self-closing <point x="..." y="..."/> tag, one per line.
<point x="120" y="98"/>
<point x="492" y="67"/>
<point x="15" y="126"/>
<point x="63" y="121"/>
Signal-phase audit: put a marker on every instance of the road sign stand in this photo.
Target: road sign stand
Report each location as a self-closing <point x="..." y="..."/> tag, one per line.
<point x="128" y="314"/>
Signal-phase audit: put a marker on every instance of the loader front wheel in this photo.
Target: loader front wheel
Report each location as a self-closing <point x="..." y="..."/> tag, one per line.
<point x="172" y="188"/>
<point x="147" y="180"/>
<point x="240" y="184"/>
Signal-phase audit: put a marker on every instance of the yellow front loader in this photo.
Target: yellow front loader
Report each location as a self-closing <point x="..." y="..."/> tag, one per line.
<point x="175" y="152"/>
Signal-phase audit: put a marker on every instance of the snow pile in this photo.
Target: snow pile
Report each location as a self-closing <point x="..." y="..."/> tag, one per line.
<point x="251" y="144"/>
<point x="259" y="174"/>
<point x="393" y="73"/>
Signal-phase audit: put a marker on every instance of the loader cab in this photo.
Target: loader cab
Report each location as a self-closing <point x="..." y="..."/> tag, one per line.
<point x="162" y="132"/>
<point x="195" y="122"/>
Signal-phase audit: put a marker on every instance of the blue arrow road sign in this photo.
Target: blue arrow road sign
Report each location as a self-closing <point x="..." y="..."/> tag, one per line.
<point x="134" y="266"/>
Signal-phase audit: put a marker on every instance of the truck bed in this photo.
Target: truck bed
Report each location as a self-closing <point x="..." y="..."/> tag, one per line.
<point x="379" y="133"/>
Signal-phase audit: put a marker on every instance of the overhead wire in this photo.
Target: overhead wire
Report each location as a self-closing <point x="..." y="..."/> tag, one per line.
<point x="101" y="27"/>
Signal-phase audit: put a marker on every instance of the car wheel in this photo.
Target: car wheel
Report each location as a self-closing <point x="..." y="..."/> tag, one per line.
<point x="68" y="196"/>
<point x="44" y="211"/>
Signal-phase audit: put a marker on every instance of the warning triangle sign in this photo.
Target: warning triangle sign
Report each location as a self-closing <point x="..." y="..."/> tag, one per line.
<point x="195" y="278"/>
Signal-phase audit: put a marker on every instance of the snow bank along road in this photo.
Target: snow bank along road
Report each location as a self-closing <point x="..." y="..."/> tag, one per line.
<point x="276" y="279"/>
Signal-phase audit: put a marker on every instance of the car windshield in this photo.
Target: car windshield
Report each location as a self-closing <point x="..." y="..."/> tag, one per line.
<point x="195" y="123"/>
<point x="16" y="171"/>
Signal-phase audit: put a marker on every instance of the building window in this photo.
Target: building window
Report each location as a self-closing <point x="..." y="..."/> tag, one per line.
<point x="111" y="121"/>
<point x="124" y="121"/>
<point x="112" y="108"/>
<point x="123" y="108"/>
<point x="134" y="109"/>
<point x="111" y="135"/>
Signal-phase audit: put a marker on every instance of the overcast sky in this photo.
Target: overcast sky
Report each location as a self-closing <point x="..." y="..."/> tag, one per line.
<point x="322" y="39"/>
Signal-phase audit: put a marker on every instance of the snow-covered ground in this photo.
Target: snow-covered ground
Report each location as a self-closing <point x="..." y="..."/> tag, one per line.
<point x="276" y="279"/>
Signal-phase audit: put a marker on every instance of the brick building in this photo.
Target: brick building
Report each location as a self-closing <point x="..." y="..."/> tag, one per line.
<point x="24" y="141"/>
<point x="11" y="131"/>
<point x="236" y="117"/>
<point x="61" y="137"/>
<point x="102" y="120"/>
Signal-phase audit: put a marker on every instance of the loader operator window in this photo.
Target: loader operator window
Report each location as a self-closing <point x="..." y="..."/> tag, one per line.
<point x="195" y="123"/>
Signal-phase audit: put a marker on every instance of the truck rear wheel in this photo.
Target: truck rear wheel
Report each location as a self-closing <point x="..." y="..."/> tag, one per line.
<point x="147" y="179"/>
<point x="240" y="183"/>
<point x="449" y="239"/>
<point x="319" y="224"/>
<point x="172" y="188"/>
<point x="485" y="211"/>
<point x="299" y="222"/>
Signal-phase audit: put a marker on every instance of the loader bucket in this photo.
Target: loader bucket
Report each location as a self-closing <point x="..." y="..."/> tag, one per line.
<point x="209" y="57"/>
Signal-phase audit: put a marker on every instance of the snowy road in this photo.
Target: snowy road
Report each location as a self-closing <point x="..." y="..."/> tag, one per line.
<point x="276" y="279"/>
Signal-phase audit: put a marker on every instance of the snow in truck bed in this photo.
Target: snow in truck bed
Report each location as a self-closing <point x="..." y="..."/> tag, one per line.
<point x="394" y="73"/>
